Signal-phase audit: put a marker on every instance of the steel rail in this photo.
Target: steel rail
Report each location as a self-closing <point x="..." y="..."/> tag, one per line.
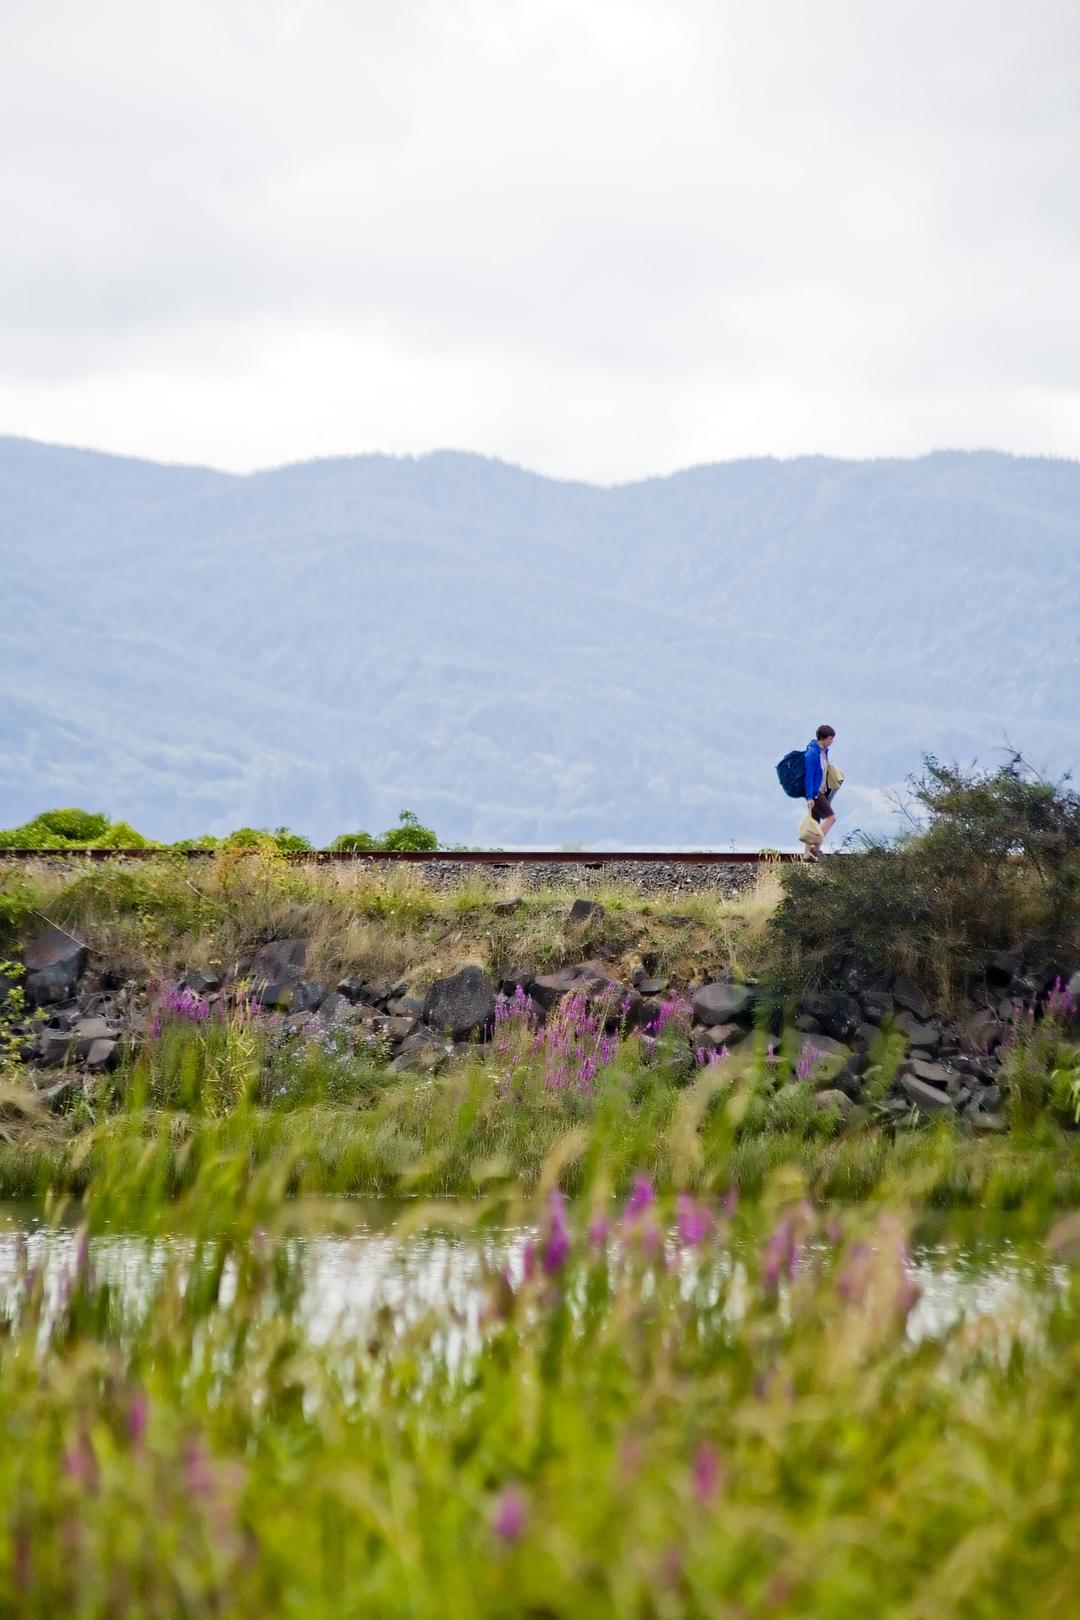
<point x="464" y="857"/>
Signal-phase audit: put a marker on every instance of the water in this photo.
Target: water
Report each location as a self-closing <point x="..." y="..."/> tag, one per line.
<point x="375" y="1258"/>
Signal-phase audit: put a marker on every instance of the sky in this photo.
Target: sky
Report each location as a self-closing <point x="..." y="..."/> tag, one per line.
<point x="602" y="238"/>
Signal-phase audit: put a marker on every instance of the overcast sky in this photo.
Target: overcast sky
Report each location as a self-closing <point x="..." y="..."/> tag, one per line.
<point x="603" y="238"/>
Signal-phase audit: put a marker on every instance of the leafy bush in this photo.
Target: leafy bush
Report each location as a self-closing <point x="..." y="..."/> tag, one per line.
<point x="82" y="829"/>
<point x="410" y="833"/>
<point x="355" y="840"/>
<point x="31" y="835"/>
<point x="75" y="826"/>
<point x="16" y="901"/>
<point x="994" y="865"/>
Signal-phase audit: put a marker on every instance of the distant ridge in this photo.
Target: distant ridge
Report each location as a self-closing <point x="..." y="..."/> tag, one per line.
<point x="523" y="660"/>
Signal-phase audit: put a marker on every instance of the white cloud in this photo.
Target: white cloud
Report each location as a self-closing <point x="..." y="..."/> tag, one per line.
<point x="602" y="238"/>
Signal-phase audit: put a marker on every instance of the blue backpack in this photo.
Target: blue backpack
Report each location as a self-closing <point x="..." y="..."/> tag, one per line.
<point x="792" y="773"/>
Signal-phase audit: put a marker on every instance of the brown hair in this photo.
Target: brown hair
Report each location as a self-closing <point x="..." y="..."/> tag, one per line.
<point x="824" y="731"/>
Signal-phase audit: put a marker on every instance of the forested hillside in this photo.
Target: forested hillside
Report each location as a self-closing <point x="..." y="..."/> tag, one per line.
<point x="522" y="660"/>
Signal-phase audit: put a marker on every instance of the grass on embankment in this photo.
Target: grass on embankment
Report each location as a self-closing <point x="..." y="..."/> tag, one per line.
<point x="160" y="917"/>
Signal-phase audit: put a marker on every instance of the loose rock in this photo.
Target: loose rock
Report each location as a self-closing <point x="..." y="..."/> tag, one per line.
<point x="721" y="1002"/>
<point x="461" y="1003"/>
<point x="54" y="965"/>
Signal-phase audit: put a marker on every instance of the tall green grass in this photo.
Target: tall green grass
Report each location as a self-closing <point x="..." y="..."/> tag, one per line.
<point x="664" y="1409"/>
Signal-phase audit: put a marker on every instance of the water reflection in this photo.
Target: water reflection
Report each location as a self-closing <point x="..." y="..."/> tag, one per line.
<point x="349" y="1275"/>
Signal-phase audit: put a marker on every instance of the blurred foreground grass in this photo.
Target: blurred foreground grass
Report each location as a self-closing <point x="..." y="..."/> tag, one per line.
<point x="665" y="1407"/>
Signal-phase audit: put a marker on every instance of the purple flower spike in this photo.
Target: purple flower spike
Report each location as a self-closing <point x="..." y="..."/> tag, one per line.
<point x="598" y="1231"/>
<point x="694" y="1221"/>
<point x="510" y="1514"/>
<point x="642" y="1197"/>
<point x="138" y="1414"/>
<point x="557" y="1240"/>
<point x="706" y="1472"/>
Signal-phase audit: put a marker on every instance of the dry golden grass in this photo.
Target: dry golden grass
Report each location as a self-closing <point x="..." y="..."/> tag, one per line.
<point x="167" y="916"/>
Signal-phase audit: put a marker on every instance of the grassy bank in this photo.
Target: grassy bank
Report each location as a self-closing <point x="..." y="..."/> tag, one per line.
<point x="471" y="1132"/>
<point x="160" y="918"/>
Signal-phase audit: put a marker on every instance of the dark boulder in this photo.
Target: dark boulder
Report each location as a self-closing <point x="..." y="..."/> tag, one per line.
<point x="1002" y="968"/>
<point x="406" y="1007"/>
<point x="333" y="1006"/>
<point x="507" y="907"/>
<point x="865" y="1036"/>
<point x="932" y="1074"/>
<point x="906" y="994"/>
<point x="927" y="1037"/>
<point x="421" y="1053"/>
<point x="590" y="979"/>
<point x="877" y="1005"/>
<point x="399" y="1029"/>
<point x="54" y="965"/>
<point x="584" y="911"/>
<point x="203" y="982"/>
<point x="982" y="1032"/>
<point x="833" y="1100"/>
<point x="929" y="1099"/>
<point x="292" y="995"/>
<point x="53" y="1048"/>
<point x="837" y="1013"/>
<point x="280" y="960"/>
<point x="461" y="1003"/>
<point x="352" y="988"/>
<point x="721" y="1002"/>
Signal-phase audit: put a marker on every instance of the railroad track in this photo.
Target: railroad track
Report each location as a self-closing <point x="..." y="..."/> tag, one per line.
<point x="450" y="857"/>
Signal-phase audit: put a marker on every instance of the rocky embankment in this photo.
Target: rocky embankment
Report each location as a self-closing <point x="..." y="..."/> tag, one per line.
<point x="854" y="1037"/>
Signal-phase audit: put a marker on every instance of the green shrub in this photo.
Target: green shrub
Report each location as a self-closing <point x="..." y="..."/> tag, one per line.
<point x="121" y="835"/>
<point x="410" y="833"/>
<point x="995" y="865"/>
<point x="289" y="842"/>
<point x="17" y="897"/>
<point x="31" y="835"/>
<point x="355" y="841"/>
<point x="74" y="826"/>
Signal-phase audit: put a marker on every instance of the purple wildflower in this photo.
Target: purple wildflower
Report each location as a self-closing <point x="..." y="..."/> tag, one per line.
<point x="557" y="1238"/>
<point x="1060" y="1004"/>
<point x="197" y="1471"/>
<point x="598" y="1231"/>
<point x="642" y="1198"/>
<point x="138" y="1414"/>
<point x="694" y="1221"/>
<point x="782" y="1251"/>
<point x="80" y="1463"/>
<point x="807" y="1062"/>
<point x="510" y="1514"/>
<point x="706" y="1472"/>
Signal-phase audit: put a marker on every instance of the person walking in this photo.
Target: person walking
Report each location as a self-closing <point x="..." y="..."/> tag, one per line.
<point x="820" y="783"/>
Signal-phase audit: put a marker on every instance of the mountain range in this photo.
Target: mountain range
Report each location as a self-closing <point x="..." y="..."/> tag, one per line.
<point x="517" y="659"/>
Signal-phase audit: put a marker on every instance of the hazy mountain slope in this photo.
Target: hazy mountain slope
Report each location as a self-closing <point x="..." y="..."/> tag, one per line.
<point x="521" y="659"/>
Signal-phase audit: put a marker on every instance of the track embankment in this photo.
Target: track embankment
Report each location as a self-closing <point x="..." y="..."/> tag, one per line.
<point x="647" y="871"/>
